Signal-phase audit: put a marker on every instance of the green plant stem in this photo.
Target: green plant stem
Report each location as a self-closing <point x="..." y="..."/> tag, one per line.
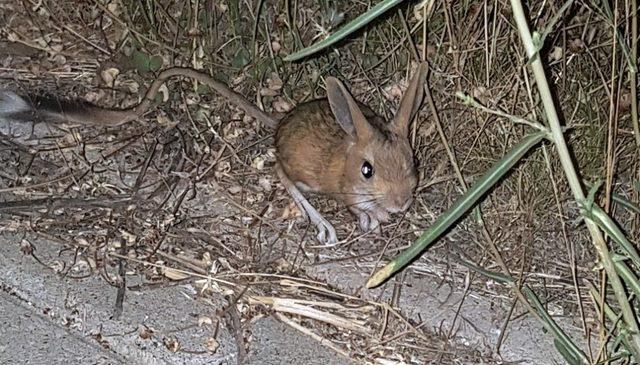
<point x="632" y="72"/>
<point x="569" y="169"/>
<point x="468" y="100"/>
<point x="606" y="310"/>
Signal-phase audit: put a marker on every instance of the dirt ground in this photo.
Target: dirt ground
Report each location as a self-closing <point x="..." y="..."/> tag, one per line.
<point x="176" y="238"/>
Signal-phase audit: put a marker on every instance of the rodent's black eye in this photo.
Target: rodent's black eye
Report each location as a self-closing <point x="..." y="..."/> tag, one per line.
<point x="367" y="170"/>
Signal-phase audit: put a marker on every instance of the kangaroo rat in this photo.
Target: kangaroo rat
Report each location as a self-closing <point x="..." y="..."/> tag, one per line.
<point x="333" y="146"/>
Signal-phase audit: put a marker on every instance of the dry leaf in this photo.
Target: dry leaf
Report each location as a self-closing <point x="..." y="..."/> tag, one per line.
<point x="576" y="46"/>
<point x="481" y="93"/>
<point x="145" y="332"/>
<point x="59" y="60"/>
<point x="165" y="92"/>
<point x="173" y="274"/>
<point x="113" y="8"/>
<point x="171" y="344"/>
<point x="268" y="92"/>
<point x="275" y="46"/>
<point x="109" y="76"/>
<point x="132" y="86"/>
<point x="556" y="54"/>
<point x="205" y="320"/>
<point x="234" y="189"/>
<point x="206" y="258"/>
<point x="128" y="236"/>
<point x="281" y="106"/>
<point x="225" y="264"/>
<point x="258" y="163"/>
<point x="274" y="82"/>
<point x="265" y="183"/>
<point x="163" y="120"/>
<point x="291" y="211"/>
<point x="393" y="92"/>
<point x="94" y="96"/>
<point x="25" y="247"/>
<point x="283" y="265"/>
<point x="211" y="344"/>
<point x="56" y="48"/>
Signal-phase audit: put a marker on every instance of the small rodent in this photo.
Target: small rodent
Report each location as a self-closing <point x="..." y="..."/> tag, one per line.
<point x="333" y="146"/>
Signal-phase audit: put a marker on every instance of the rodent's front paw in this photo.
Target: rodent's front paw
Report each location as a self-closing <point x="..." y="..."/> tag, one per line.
<point x="367" y="223"/>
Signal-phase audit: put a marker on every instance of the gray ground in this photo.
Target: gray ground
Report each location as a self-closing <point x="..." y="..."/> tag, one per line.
<point x="50" y="320"/>
<point x="478" y="319"/>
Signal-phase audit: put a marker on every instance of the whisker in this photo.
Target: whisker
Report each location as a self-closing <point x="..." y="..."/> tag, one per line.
<point x="356" y="194"/>
<point x="374" y="202"/>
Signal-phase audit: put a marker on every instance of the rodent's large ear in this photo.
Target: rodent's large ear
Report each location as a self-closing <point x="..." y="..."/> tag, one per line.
<point x="346" y="110"/>
<point x="410" y="102"/>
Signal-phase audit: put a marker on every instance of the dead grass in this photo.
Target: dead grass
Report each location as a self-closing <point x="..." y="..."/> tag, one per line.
<point x="192" y="188"/>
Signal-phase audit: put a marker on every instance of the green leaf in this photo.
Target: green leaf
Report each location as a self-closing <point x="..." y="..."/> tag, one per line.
<point x="369" y="60"/>
<point x="594" y="213"/>
<point x="591" y="196"/>
<point x="459" y="208"/>
<point x="626" y="203"/>
<point x="146" y="63"/>
<point x="566" y="354"/>
<point x="623" y="332"/>
<point x="629" y="277"/>
<point x="499" y="277"/>
<point x="241" y="59"/>
<point x="349" y="28"/>
<point x="568" y="349"/>
<point x="536" y="38"/>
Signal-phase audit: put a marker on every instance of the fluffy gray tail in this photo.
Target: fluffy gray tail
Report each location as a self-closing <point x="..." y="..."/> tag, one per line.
<point x="54" y="110"/>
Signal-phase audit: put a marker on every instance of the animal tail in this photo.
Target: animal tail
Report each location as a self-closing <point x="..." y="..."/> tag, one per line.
<point x="54" y="110"/>
<point x="51" y="109"/>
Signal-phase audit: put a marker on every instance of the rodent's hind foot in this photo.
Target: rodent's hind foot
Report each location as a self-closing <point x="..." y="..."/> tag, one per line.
<point x="326" y="232"/>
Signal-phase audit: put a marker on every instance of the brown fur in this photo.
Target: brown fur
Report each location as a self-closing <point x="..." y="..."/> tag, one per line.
<point x="323" y="144"/>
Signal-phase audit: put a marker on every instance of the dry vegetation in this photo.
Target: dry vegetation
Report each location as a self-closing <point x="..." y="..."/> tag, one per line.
<point x="191" y="187"/>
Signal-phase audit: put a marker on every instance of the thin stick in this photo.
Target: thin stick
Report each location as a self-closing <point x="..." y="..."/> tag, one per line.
<point x="632" y="74"/>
